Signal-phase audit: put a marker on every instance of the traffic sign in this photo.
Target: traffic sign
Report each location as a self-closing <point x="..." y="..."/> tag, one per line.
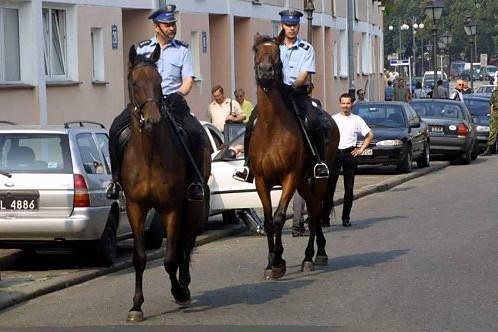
<point x="402" y="62"/>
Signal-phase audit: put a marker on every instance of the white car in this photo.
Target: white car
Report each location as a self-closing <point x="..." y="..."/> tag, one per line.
<point x="228" y="194"/>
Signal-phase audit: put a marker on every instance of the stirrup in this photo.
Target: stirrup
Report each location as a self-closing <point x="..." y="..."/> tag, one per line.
<point x="320" y="171"/>
<point x="243" y="175"/>
<point x="195" y="192"/>
<point x="112" y="190"/>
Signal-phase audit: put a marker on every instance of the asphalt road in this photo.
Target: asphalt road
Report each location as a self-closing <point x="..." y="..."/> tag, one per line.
<point x="421" y="256"/>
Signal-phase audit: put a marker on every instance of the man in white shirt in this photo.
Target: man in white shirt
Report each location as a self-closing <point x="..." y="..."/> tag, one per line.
<point x="457" y="94"/>
<point x="350" y="125"/>
<point x="223" y="109"/>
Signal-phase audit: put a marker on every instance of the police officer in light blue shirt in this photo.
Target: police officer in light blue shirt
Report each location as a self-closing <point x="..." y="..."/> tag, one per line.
<point x="175" y="66"/>
<point x="298" y="62"/>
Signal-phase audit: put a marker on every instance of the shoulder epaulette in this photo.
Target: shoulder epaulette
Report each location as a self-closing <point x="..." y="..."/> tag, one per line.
<point x="181" y="42"/>
<point x="304" y="45"/>
<point x="144" y="43"/>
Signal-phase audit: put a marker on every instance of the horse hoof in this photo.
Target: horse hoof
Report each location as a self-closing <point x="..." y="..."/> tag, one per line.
<point x="181" y="295"/>
<point x="307" y="266"/>
<point x="135" y="316"/>
<point x="279" y="271"/>
<point x="321" y="260"/>
<point x="183" y="304"/>
<point x="268" y="275"/>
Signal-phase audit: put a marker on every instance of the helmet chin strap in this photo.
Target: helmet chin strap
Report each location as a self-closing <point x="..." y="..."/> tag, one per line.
<point x="163" y="34"/>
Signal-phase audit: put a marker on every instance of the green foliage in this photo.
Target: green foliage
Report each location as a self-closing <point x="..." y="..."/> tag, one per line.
<point x="455" y="13"/>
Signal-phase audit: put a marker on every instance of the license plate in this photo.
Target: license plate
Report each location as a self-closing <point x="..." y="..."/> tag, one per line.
<point x="367" y="152"/>
<point x="436" y="129"/>
<point x="19" y="201"/>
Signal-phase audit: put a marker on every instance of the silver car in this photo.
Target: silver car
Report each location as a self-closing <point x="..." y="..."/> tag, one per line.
<point x="52" y="191"/>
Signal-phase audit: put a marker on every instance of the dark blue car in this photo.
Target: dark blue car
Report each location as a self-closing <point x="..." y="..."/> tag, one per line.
<point x="400" y="136"/>
<point x="478" y="107"/>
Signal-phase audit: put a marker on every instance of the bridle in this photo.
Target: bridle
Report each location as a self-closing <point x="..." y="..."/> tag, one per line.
<point x="137" y="111"/>
<point x="276" y="66"/>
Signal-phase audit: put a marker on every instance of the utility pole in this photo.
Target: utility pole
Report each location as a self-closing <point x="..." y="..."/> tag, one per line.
<point x="351" y="72"/>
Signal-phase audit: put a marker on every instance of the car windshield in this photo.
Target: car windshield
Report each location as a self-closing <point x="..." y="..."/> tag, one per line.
<point x="438" y="110"/>
<point x="477" y="107"/>
<point x="381" y="115"/>
<point x="35" y="153"/>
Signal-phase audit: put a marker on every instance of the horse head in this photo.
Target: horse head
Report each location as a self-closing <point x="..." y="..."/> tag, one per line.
<point x="144" y="85"/>
<point x="267" y="63"/>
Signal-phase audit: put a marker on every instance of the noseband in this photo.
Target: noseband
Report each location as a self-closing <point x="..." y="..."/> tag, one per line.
<point x="137" y="111"/>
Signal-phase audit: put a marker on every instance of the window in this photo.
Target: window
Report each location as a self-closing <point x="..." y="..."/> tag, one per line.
<point x="196" y="53"/>
<point x="343" y="57"/>
<point x="9" y="45"/>
<point x="54" y="32"/>
<point x="90" y="155"/>
<point x="335" y="58"/>
<point x="97" y="41"/>
<point x="103" y="144"/>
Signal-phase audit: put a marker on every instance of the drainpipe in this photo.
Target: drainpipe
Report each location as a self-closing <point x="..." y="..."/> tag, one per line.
<point x="350" y="49"/>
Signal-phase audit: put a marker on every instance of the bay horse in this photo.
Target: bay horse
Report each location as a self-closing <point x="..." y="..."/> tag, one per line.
<point x="285" y="160"/>
<point x="154" y="175"/>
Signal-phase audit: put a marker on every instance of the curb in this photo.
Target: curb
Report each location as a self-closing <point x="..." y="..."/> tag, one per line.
<point x="86" y="276"/>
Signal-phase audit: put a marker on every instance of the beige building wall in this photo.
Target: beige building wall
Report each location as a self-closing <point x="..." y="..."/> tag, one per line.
<point x="19" y="105"/>
<point x="86" y="100"/>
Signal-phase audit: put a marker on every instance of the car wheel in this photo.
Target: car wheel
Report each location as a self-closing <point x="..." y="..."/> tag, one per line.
<point x="155" y="234"/>
<point x="424" y="159"/>
<point x="405" y="166"/>
<point x="466" y="157"/>
<point x="106" y="248"/>
<point x="475" y="151"/>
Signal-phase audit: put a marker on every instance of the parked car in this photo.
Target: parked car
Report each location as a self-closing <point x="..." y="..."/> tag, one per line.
<point x="490" y="72"/>
<point x="227" y="194"/>
<point x="52" y="192"/>
<point x="400" y="137"/>
<point x="452" y="132"/>
<point x="486" y="90"/>
<point x="478" y="107"/>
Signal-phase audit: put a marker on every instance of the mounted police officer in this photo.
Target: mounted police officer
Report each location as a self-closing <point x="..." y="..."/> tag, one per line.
<point x="298" y="62"/>
<point x="176" y="69"/>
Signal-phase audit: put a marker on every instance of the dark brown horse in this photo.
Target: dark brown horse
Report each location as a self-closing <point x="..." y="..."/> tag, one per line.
<point x="284" y="160"/>
<point x="154" y="175"/>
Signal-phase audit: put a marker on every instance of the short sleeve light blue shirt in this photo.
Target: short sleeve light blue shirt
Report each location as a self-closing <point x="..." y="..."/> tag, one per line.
<point x="298" y="58"/>
<point x="174" y="64"/>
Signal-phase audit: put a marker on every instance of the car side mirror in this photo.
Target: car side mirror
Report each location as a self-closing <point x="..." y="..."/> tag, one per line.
<point x="415" y="124"/>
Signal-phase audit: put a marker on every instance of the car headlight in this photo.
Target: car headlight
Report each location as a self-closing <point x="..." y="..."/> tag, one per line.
<point x="390" y="142"/>
<point x="482" y="128"/>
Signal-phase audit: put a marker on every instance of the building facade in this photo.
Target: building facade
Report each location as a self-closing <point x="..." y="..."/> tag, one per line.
<point x="66" y="59"/>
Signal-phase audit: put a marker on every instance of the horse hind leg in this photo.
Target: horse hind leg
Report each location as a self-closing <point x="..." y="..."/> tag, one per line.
<point x="136" y="216"/>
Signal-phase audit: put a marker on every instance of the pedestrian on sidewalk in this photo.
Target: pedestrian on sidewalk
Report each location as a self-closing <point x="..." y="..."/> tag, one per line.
<point x="350" y="125"/>
<point x="493" y="122"/>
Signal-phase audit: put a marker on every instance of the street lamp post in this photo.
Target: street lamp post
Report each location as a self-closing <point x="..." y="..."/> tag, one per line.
<point x="415" y="26"/>
<point x="309" y="8"/>
<point x="447" y="38"/>
<point x="433" y="11"/>
<point x="402" y="27"/>
<point x="429" y="50"/>
<point x="470" y="28"/>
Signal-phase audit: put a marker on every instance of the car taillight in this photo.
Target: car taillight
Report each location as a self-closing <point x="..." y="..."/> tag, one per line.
<point x="81" y="197"/>
<point x="462" y="129"/>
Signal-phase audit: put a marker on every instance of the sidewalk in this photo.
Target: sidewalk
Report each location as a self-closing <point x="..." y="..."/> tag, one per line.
<point x="22" y="285"/>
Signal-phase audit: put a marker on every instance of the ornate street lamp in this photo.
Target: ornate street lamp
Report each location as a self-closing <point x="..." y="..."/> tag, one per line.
<point x="446" y="38"/>
<point x="433" y="12"/>
<point x="309" y="8"/>
<point x="470" y="28"/>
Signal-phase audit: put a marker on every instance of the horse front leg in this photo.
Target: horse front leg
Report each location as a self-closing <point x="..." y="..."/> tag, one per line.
<point x="172" y="224"/>
<point x="288" y="189"/>
<point x="264" y="196"/>
<point x="136" y="216"/>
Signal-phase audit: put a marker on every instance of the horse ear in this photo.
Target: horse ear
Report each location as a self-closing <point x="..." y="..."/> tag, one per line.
<point x="132" y="55"/>
<point x="257" y="37"/>
<point x="156" y="54"/>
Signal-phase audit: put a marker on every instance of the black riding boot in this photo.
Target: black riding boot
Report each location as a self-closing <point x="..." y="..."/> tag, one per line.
<point x="116" y="149"/>
<point x="194" y="130"/>
<point x="244" y="174"/>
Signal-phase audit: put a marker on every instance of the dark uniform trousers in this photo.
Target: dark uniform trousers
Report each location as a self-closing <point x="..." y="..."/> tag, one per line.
<point x="348" y="163"/>
<point x="305" y="110"/>
<point x="178" y="107"/>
